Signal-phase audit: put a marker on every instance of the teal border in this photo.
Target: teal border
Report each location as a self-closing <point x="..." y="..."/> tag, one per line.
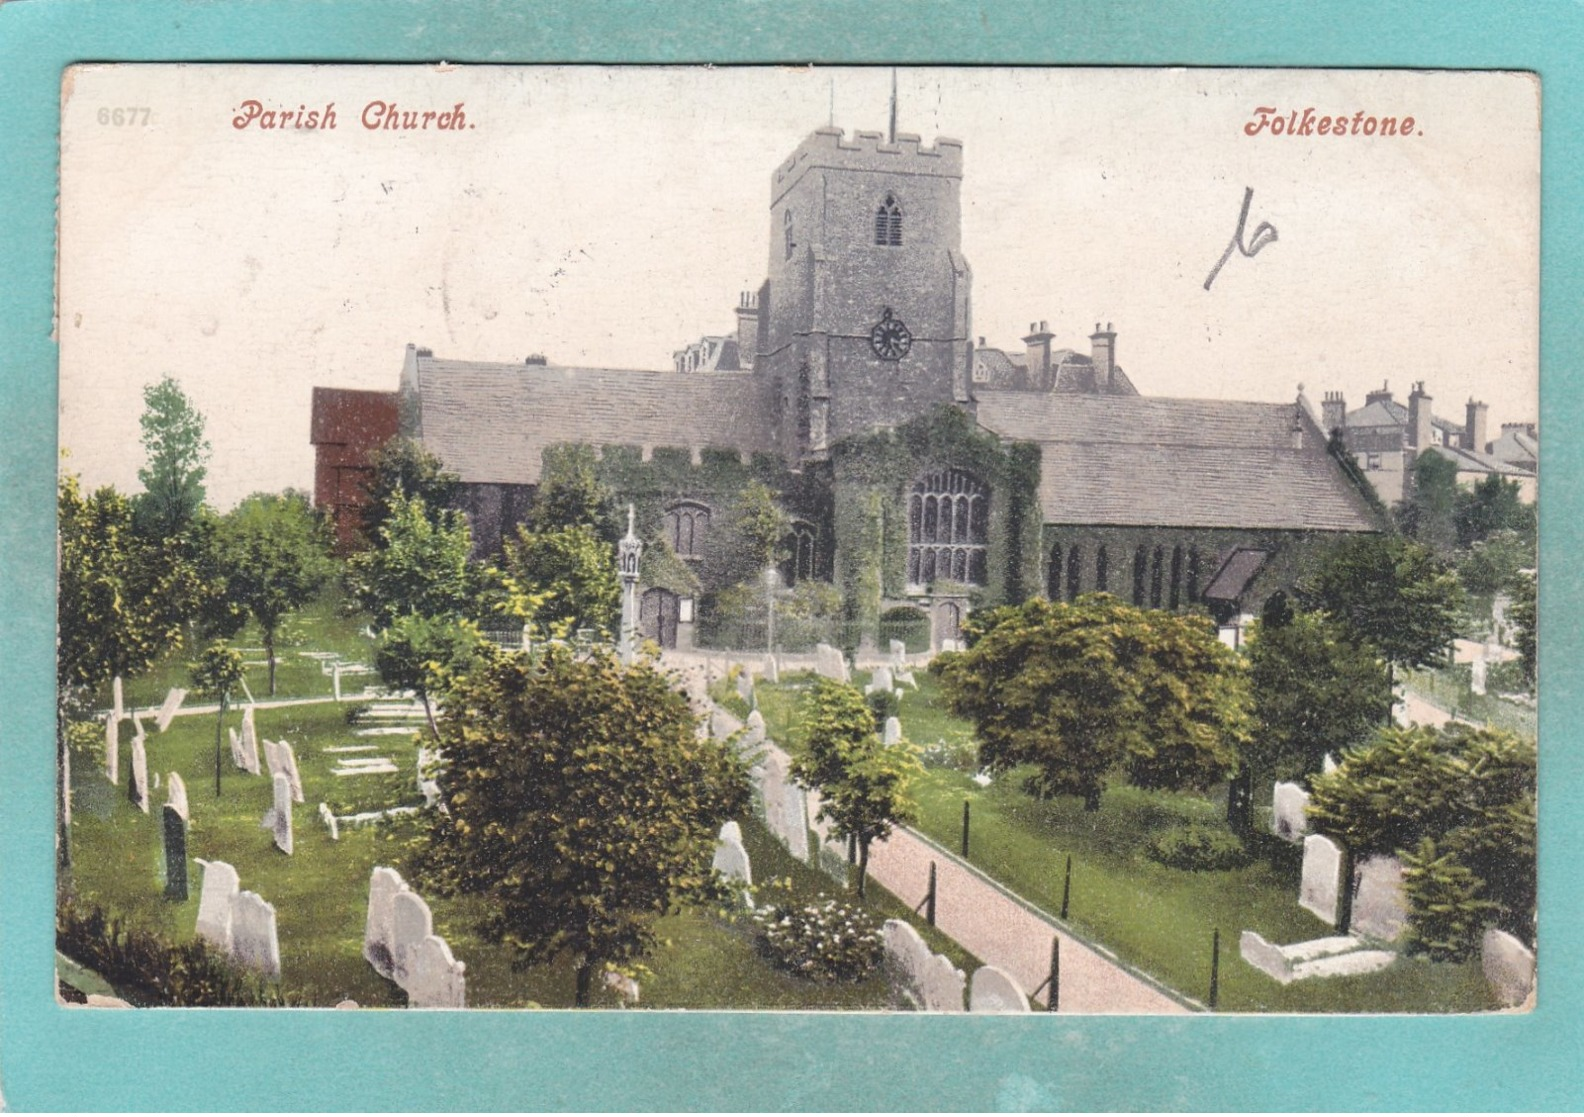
<point x="71" y="1060"/>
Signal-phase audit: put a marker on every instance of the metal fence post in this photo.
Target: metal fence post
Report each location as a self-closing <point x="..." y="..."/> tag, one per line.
<point x="929" y="900"/>
<point x="966" y="806"/>
<point x="1054" y="993"/>
<point x="1215" y="967"/>
<point x="1066" y="887"/>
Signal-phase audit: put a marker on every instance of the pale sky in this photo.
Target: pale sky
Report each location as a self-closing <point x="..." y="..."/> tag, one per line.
<point x="609" y="216"/>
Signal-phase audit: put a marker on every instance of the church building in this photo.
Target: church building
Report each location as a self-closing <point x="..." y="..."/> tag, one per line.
<point x="920" y="467"/>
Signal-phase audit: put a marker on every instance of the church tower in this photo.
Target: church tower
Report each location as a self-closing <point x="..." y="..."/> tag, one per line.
<point x="864" y="321"/>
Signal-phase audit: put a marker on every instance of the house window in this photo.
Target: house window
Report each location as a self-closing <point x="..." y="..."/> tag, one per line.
<point x="786" y="230"/>
<point x="687" y="526"/>
<point x="800" y="552"/>
<point x="948" y="529"/>
<point x="1372" y="461"/>
<point x="888" y="223"/>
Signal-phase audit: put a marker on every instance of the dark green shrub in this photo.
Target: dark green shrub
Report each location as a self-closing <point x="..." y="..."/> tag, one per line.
<point x="1447" y="913"/>
<point x="1198" y="848"/>
<point x="823" y="941"/>
<point x="883" y="704"/>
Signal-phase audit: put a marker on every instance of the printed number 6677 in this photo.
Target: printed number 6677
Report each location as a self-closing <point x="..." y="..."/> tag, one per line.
<point x="120" y="117"/>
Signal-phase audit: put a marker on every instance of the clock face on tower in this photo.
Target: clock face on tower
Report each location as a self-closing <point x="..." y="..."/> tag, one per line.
<point x="890" y="339"/>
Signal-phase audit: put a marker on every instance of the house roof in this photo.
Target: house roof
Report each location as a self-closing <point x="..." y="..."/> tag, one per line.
<point x="1516" y="446"/>
<point x="1146" y="461"/>
<point x="490" y="423"/>
<point x="999" y="371"/>
<point x="1390" y="413"/>
<point x="1470" y="461"/>
<point x="1232" y="580"/>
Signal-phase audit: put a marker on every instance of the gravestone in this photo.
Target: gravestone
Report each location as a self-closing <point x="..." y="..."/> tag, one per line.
<point x="272" y="761"/>
<point x="175" y="853"/>
<point x="173" y="700"/>
<point x="731" y="859"/>
<point x="893" y="731"/>
<point x="772" y="670"/>
<point x="722" y="724"/>
<point x="880" y="680"/>
<point x="1379" y="909"/>
<point x="236" y="749"/>
<point x="400" y="943"/>
<point x="906" y="679"/>
<point x="327" y="816"/>
<point x="830" y="663"/>
<point x="994" y="990"/>
<point x="745" y="685"/>
<point x="1477" y="680"/>
<point x="1509" y="967"/>
<point x="117" y="711"/>
<point x="1322" y="877"/>
<point x="384" y="884"/>
<point x="435" y="978"/>
<point x="1288" y="820"/>
<point x="254" y="943"/>
<point x="785" y="811"/>
<point x="220" y="887"/>
<point x="279" y="817"/>
<point x="113" y="749"/>
<point x="176" y="795"/>
<point x="754" y="734"/>
<point x="1328" y="765"/>
<point x="1332" y="956"/>
<point x="288" y="768"/>
<point x="927" y="979"/>
<point x="250" y="757"/>
<point x="138" y="785"/>
<point x="898" y="653"/>
<point x="411" y="922"/>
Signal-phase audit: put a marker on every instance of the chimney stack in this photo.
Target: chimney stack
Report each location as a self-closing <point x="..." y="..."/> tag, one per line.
<point x="1102" y="349"/>
<point x="1418" y="434"/>
<point x="747" y="329"/>
<point x="1380" y="395"/>
<point x="1333" y="412"/>
<point x="1474" y="427"/>
<point x="1039" y="349"/>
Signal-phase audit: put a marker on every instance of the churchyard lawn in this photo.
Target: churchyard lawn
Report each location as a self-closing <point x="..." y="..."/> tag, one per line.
<point x="1156" y="918"/>
<point x="320" y="893"/>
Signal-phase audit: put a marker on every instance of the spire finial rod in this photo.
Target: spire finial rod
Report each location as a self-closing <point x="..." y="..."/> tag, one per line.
<point x="893" y="104"/>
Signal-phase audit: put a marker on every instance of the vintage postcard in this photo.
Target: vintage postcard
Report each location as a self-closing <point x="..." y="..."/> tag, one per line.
<point x="961" y="540"/>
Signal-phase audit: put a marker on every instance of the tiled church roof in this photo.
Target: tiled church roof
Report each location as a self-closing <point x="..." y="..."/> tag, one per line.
<point x="490" y="423"/>
<point x="1145" y="461"/>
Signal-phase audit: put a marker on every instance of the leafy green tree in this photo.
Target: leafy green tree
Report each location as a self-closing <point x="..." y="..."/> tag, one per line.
<point x="762" y="524"/>
<point x="1428" y="511"/>
<point x="419" y="564"/>
<point x="1493" y="505"/>
<point x="1393" y="594"/>
<point x="1470" y="791"/>
<point x="404" y="470"/>
<point x="1097" y="689"/>
<point x="1525" y="618"/>
<point x="1445" y="899"/>
<point x="177" y="457"/>
<point x="579" y="803"/>
<point x="276" y="555"/>
<point x="215" y="674"/>
<point x="572" y="495"/>
<point x="1315" y="691"/>
<point x="1493" y="564"/>
<point x="421" y="654"/>
<point x="864" y="784"/>
<point x="563" y="580"/>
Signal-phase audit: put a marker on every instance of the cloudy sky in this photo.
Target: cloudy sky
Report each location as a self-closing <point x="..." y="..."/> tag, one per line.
<point x="607" y="216"/>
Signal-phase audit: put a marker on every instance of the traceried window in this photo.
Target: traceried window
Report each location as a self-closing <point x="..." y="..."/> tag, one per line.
<point x="888" y="223"/>
<point x="948" y="529"/>
<point x="687" y="528"/>
<point x="800" y="552"/>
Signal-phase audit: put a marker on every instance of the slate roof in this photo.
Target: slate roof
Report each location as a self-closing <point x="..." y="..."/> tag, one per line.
<point x="1230" y="582"/>
<point x="1469" y="461"/>
<point x="490" y="423"/>
<point x="997" y="370"/>
<point x="1516" y="447"/>
<point x="1147" y="461"/>
<point x="1390" y="413"/>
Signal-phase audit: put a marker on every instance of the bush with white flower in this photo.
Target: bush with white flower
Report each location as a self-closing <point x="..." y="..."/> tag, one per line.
<point x="826" y="940"/>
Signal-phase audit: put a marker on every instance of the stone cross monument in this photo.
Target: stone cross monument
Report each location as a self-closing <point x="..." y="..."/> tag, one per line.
<point x="628" y="552"/>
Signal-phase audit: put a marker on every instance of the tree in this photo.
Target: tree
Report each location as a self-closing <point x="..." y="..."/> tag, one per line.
<point x="1393" y="594"/>
<point x="419" y="564"/>
<point x="1427" y="513"/>
<point x="177" y="456"/>
<point x="1316" y="691"/>
<point x="276" y="557"/>
<point x="404" y="469"/>
<point x="1525" y="618"/>
<point x="1096" y="689"/>
<point x="215" y="674"/>
<point x="864" y="784"/>
<point x="1493" y="505"/>
<point x="572" y="495"/>
<point x="562" y="580"/>
<point x="578" y="802"/>
<point x="762" y="524"/>
<point x="1470" y="791"/>
<point x="1494" y="564"/>
<point x="422" y="654"/>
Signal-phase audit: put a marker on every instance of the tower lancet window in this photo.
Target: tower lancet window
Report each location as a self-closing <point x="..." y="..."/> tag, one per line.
<point x="786" y="225"/>
<point x="888" y="223"/>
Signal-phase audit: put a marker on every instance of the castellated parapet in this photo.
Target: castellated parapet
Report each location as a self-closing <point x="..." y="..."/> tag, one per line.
<point x="866" y="151"/>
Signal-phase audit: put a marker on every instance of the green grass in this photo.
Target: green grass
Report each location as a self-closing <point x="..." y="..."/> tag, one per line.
<point x="320" y="893"/>
<point x="1156" y="918"/>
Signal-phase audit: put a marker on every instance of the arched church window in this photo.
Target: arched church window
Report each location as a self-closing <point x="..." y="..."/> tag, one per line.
<point x="687" y="527"/>
<point x="1102" y="570"/>
<point x="888" y="223"/>
<point x="1053" y="574"/>
<point x="1193" y="575"/>
<point x="1155" y="578"/>
<point x="786" y="229"/>
<point x="948" y="529"/>
<point x="1176" y="576"/>
<point x="1140" y="565"/>
<point x="1074" y="572"/>
<point x="800" y="552"/>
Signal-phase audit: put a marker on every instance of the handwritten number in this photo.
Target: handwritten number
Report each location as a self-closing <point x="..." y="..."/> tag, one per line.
<point x="1264" y="233"/>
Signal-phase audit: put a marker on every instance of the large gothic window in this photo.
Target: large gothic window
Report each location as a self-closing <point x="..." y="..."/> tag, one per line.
<point x="800" y="552"/>
<point x="888" y="223"/>
<point x="1074" y="572"/>
<point x="948" y="529"/>
<point x="687" y="527"/>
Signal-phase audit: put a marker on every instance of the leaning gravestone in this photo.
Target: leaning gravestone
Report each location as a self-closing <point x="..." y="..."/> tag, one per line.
<point x="893" y="731"/>
<point x="1509" y="967"/>
<point x="772" y="670"/>
<point x="117" y="711"/>
<point x="880" y="680"/>
<point x="1379" y="909"/>
<point x="754" y="734"/>
<point x="898" y="653"/>
<point x="1288" y="820"/>
<point x="327" y="816"/>
<point x="254" y="943"/>
<point x="745" y="689"/>
<point x="236" y="748"/>
<point x="785" y="810"/>
<point x="176" y="794"/>
<point x="220" y="887"/>
<point x="731" y="859"/>
<point x="249" y="743"/>
<point x="288" y="768"/>
<point x="168" y="708"/>
<point x="138" y="785"/>
<point x="1322" y="877"/>
<point x="384" y="884"/>
<point x="175" y="853"/>
<point x="113" y="749"/>
<point x="994" y="990"/>
<point x="272" y="761"/>
<point x="279" y="817"/>
<point x="400" y="943"/>
<point x="927" y="979"/>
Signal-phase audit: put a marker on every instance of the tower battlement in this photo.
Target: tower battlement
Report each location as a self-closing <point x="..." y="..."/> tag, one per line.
<point x="829" y="147"/>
